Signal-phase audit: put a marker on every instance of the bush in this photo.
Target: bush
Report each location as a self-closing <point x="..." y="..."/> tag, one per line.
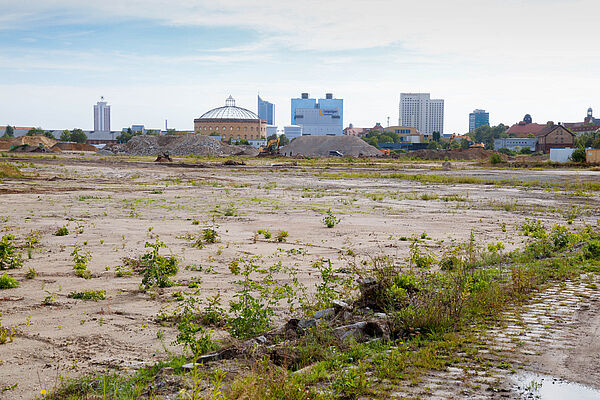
<point x="506" y="151"/>
<point x="526" y="150"/>
<point x="157" y="268"/>
<point x="10" y="257"/>
<point x="7" y="282"/>
<point x="578" y="155"/>
<point x="61" y="231"/>
<point x="93" y="295"/>
<point x="495" y="158"/>
<point x="592" y="249"/>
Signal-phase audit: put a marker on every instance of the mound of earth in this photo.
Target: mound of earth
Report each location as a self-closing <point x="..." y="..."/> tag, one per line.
<point x="34" y="141"/>
<point x="179" y="145"/>
<point x="454" y="154"/>
<point x="326" y="146"/>
<point x="71" y="146"/>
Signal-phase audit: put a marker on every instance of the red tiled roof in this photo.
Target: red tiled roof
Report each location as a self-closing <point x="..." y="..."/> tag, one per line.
<point x="523" y="130"/>
<point x="584" y="128"/>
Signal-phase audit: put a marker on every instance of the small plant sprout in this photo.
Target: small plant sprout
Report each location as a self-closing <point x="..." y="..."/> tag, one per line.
<point x="330" y="220"/>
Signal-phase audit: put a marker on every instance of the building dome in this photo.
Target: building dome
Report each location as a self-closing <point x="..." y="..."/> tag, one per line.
<point x="230" y="111"/>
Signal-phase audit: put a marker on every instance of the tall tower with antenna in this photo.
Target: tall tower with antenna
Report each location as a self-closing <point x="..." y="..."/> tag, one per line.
<point x="102" y="116"/>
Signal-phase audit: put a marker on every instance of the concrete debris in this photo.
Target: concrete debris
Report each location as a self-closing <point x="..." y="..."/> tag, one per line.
<point x="327" y="313"/>
<point x="328" y="146"/>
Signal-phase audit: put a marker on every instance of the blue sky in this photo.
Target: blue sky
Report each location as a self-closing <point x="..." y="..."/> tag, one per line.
<point x="158" y="59"/>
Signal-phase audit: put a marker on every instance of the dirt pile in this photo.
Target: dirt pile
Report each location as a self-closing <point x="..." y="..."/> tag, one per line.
<point x="325" y="146"/>
<point x="184" y="145"/>
<point x="33" y="141"/>
<point x="454" y="154"/>
<point x="71" y="146"/>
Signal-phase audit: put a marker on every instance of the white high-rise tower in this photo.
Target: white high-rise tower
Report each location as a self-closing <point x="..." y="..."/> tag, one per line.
<point x="102" y="116"/>
<point x="417" y="110"/>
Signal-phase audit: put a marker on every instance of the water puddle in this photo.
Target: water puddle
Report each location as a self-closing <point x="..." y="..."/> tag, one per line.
<point x="530" y="385"/>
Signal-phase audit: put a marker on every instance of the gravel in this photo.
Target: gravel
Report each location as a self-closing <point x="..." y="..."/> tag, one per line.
<point x="321" y="146"/>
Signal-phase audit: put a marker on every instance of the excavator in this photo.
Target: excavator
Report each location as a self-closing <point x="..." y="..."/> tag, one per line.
<point x="271" y="149"/>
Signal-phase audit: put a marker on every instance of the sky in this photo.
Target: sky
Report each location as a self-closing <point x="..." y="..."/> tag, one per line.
<point x="157" y="60"/>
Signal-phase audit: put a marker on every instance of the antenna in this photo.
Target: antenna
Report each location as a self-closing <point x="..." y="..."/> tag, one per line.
<point x="388" y="122"/>
<point x="101" y="98"/>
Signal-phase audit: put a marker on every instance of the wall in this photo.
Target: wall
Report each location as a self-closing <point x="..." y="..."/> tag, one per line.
<point x="232" y="128"/>
<point x="561" y="154"/>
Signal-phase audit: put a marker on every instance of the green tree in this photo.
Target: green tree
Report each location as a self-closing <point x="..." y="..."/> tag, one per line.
<point x="436" y="136"/>
<point x="433" y="145"/>
<point x="385" y="139"/>
<point x="283" y="140"/>
<point x="464" y="143"/>
<point x="486" y="134"/>
<point x="272" y="137"/>
<point x="578" y="155"/>
<point x="78" y="136"/>
<point x="35" y="131"/>
<point x="49" y="134"/>
<point x="65" y="136"/>
<point x="9" y="132"/>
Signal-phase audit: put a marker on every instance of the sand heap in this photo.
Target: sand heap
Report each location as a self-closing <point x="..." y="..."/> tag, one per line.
<point x="71" y="146"/>
<point x="179" y="145"/>
<point x="32" y="141"/>
<point x="322" y="146"/>
<point x="454" y="154"/>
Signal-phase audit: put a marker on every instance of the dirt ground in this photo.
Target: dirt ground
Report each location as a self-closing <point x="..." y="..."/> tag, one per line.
<point x="111" y="207"/>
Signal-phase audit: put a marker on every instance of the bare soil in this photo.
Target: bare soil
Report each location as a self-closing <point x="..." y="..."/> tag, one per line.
<point x="112" y="206"/>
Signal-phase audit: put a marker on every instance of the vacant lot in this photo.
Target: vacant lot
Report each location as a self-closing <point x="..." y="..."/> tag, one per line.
<point x="112" y="207"/>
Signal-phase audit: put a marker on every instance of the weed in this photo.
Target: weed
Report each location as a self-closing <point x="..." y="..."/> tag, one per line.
<point x="8" y="282"/>
<point x="61" y="231"/>
<point x="157" y="268"/>
<point x="93" y="295"/>
<point x="6" y="334"/>
<point x="330" y="220"/>
<point x="31" y="273"/>
<point x="265" y="232"/>
<point x="533" y="228"/>
<point x="49" y="299"/>
<point x="8" y="170"/>
<point x="81" y="260"/>
<point x="210" y="235"/>
<point x="282" y="236"/>
<point x="495" y="159"/>
<point x="10" y="257"/>
<point x="191" y="334"/>
<point x="332" y="283"/>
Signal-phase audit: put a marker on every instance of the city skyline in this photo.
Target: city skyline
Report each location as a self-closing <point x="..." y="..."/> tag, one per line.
<point x="154" y="60"/>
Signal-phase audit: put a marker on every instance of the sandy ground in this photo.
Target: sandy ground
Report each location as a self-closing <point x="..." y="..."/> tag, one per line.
<point x="112" y="208"/>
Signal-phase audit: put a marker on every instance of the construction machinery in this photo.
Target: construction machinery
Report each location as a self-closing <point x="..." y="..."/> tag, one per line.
<point x="270" y="149"/>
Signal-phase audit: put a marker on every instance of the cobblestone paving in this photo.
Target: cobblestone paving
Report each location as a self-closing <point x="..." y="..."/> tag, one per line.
<point x="549" y="334"/>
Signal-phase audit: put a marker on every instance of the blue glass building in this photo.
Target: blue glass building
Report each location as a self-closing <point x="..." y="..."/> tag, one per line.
<point x="478" y="118"/>
<point x="323" y="117"/>
<point x="266" y="111"/>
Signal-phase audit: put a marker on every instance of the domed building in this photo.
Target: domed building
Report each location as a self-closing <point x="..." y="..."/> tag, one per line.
<point x="231" y="122"/>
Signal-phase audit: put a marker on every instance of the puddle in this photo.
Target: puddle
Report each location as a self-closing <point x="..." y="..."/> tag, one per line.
<point x="530" y="385"/>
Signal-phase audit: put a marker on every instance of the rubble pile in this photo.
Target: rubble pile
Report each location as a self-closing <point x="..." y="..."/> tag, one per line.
<point x="179" y="145"/>
<point x="329" y="146"/>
